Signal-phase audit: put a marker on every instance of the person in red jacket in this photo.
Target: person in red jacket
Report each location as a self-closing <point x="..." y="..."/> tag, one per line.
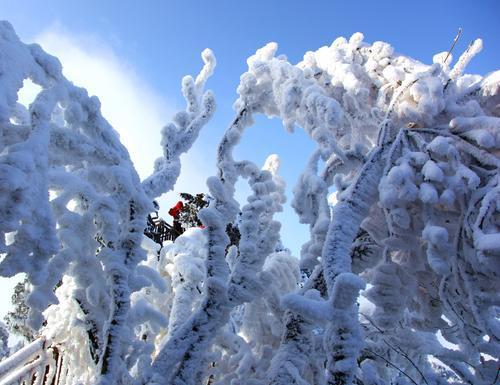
<point x="174" y="212"/>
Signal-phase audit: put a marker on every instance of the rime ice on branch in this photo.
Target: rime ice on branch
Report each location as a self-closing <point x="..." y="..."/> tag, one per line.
<point x="412" y="152"/>
<point x="178" y="136"/>
<point x="384" y="119"/>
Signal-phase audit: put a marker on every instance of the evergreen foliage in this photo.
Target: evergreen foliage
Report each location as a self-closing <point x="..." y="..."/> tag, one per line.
<point x="188" y="215"/>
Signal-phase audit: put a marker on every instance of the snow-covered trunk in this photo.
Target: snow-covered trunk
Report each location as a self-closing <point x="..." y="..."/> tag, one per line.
<point x="181" y="357"/>
<point x="353" y="206"/>
<point x="310" y="203"/>
<point x="112" y="359"/>
<point x="296" y="350"/>
<point x="343" y="338"/>
<point x="201" y="328"/>
<point x="127" y="254"/>
<point x="224" y="291"/>
<point x="187" y="273"/>
<point x="93" y="331"/>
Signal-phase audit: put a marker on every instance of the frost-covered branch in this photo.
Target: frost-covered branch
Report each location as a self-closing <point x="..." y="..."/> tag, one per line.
<point x="410" y="150"/>
<point x="179" y="136"/>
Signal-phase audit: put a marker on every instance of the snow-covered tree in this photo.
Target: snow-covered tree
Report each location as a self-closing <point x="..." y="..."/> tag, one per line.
<point x="188" y="215"/>
<point x="66" y="182"/>
<point x="400" y="279"/>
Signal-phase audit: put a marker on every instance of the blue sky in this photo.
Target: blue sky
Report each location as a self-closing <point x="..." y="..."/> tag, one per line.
<point x="133" y="54"/>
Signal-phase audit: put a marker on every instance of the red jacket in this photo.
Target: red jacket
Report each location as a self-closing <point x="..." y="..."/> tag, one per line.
<point x="174" y="211"/>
